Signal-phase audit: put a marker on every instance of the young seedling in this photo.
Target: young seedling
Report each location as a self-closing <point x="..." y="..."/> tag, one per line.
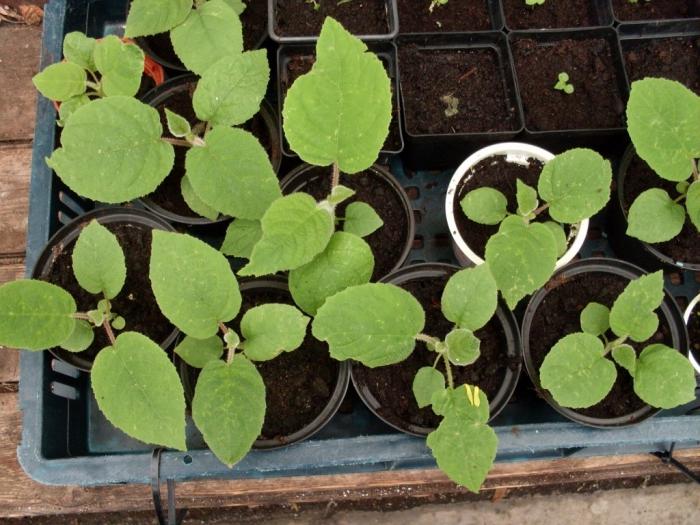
<point x="316" y="4"/>
<point x="436" y="3"/>
<point x="663" y="121"/>
<point x="579" y="373"/>
<point x="534" y="2"/>
<point x="563" y="83"/>
<point x="574" y="185"/>
<point x="379" y="324"/>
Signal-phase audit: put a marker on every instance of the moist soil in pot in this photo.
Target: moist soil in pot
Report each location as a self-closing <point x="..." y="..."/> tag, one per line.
<point x="454" y="91"/>
<point x="359" y="17"/>
<point x="673" y="58"/>
<point x="135" y="302"/>
<point x="655" y="10"/>
<point x="596" y="102"/>
<point x="463" y="15"/>
<point x="559" y="315"/>
<point x="560" y="13"/>
<point x="392" y="385"/>
<point x="388" y="242"/>
<point x="685" y="247"/>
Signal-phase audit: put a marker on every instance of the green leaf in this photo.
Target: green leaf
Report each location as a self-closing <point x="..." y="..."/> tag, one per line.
<point x="664" y="377"/>
<point x="373" y="323"/>
<point x="295" y="230"/>
<point x="229" y="407"/>
<point x="470" y="297"/>
<point x="663" y="120"/>
<point x="512" y="222"/>
<point x="230" y="92"/>
<point x="526" y="197"/>
<point x="121" y="66"/>
<point x="462" y="347"/>
<point x="209" y="33"/>
<point x="346" y="261"/>
<point x="125" y="160"/>
<point x="241" y="236"/>
<point x="98" y="261"/>
<point x="692" y="203"/>
<point x="595" y="319"/>
<point x="68" y="107"/>
<point x="78" y="49"/>
<point x="61" y="81"/>
<point x="237" y="5"/>
<point x="427" y="383"/>
<point x="633" y="315"/>
<point x="177" y="125"/>
<point x="138" y="390"/>
<point x="576" y="372"/>
<point x="521" y="260"/>
<point x="199" y="352"/>
<point x="148" y="17"/>
<point x="231" y="340"/>
<point x="340" y="194"/>
<point x="193" y="201"/>
<point x="271" y="329"/>
<point x="625" y="356"/>
<point x="118" y="323"/>
<point x="340" y="111"/>
<point x="232" y="173"/>
<point x="193" y="284"/>
<point x="654" y="217"/>
<point x="81" y="338"/>
<point x="575" y="184"/>
<point x="466" y="401"/>
<point x="35" y="315"/>
<point x="361" y="219"/>
<point x="485" y="206"/>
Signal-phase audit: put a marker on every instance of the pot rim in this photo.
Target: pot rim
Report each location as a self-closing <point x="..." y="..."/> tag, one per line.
<point x="686" y="317"/>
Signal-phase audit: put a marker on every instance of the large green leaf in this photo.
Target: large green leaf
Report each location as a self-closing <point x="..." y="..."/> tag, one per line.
<point x="346" y="261"/>
<point x="361" y="219"/>
<point x="295" y="230"/>
<point x="340" y="111"/>
<point x="470" y="297"/>
<point x="485" y="206"/>
<point x="230" y="92"/>
<point x="61" y="81"/>
<point x="35" y="315"/>
<point x="210" y="32"/>
<point x="595" y="319"/>
<point x="199" y="352"/>
<point x="138" y="390"/>
<point x="426" y="383"/>
<point x="654" y="217"/>
<point x="193" y="284"/>
<point x="633" y="315"/>
<point x="374" y="323"/>
<point x="576" y="371"/>
<point x="663" y="120"/>
<point x="575" y="184"/>
<point x="148" y="17"/>
<point x="121" y="66"/>
<point x="229" y="407"/>
<point x="232" y="173"/>
<point x="98" y="261"/>
<point x="271" y="329"/>
<point x="112" y="150"/>
<point x="463" y="347"/>
<point x="692" y="203"/>
<point x="664" y="377"/>
<point x="241" y="236"/>
<point x="78" y="48"/>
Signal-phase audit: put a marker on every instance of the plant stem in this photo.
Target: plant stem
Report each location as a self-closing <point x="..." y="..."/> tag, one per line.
<point x="679" y="198"/>
<point x="613" y="344"/>
<point x="540" y="209"/>
<point x="696" y="175"/>
<point x="427" y="339"/>
<point x="335" y="180"/>
<point x="224" y="329"/>
<point x="177" y="142"/>
<point x="81" y="316"/>
<point x="108" y="329"/>
<point x="448" y="369"/>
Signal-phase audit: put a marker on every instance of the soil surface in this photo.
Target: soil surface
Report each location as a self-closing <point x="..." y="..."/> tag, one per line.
<point x="463" y="15"/>
<point x="392" y="385"/>
<point x="455" y="91"/>
<point x="561" y="13"/>
<point x="673" y="58"/>
<point x="685" y="247"/>
<point x="389" y="241"/>
<point x="559" y="315"/>
<point x="665" y="9"/>
<point x="360" y="17"/>
<point x="596" y="103"/>
<point x="135" y="303"/>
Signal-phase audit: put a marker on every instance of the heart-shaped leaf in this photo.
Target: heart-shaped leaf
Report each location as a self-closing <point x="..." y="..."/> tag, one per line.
<point x="61" y="81"/>
<point x="271" y="329"/>
<point x="462" y="347"/>
<point x="625" y="356"/>
<point x="120" y="65"/>
<point x="426" y="383"/>
<point x="199" y="352"/>
<point x="595" y="319"/>
<point x="485" y="206"/>
<point x="470" y="297"/>
<point x="78" y="49"/>
<point x="98" y="261"/>
<point x="633" y="315"/>
<point x="148" y="17"/>
<point x="664" y="377"/>
<point x="654" y="217"/>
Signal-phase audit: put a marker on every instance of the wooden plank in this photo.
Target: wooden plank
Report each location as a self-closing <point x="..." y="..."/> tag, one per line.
<point x="11" y="268"/>
<point x="15" y="168"/>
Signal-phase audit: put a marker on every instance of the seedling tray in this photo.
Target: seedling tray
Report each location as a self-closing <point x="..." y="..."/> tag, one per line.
<point x="66" y="440"/>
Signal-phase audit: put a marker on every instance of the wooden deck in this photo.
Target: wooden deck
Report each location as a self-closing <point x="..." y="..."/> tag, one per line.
<point x="20" y="496"/>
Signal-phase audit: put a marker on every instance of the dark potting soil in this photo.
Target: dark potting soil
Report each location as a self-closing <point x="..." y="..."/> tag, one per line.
<point x="135" y="303"/>
<point x="596" y="102"/>
<point x="254" y="20"/>
<point x="673" y="58"/>
<point x="435" y="83"/>
<point x="559" y="315"/>
<point x="624" y="10"/>
<point x="392" y="385"/>
<point x="562" y="13"/>
<point x="360" y="17"/>
<point x="389" y="241"/>
<point x="464" y="15"/>
<point x="493" y="172"/>
<point x="685" y="247"/>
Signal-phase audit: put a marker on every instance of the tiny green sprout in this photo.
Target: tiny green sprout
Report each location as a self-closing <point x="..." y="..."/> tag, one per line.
<point x="534" y="2"/>
<point x="452" y="105"/>
<point x="436" y="3"/>
<point x="315" y="4"/>
<point x="563" y="84"/>
<point x="578" y="372"/>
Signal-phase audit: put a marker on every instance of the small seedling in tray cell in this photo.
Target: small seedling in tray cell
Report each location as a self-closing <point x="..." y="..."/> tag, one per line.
<point x="563" y="84"/>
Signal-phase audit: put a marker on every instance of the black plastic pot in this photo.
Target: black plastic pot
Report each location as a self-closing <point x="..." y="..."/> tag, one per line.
<point x="189" y="376"/>
<point x="495" y="17"/>
<point x="601" y="10"/>
<point x="386" y="51"/>
<point x="668" y="312"/>
<point x="300" y="178"/>
<point x="510" y="329"/>
<point x="68" y="234"/>
<point x="186" y="83"/>
<point x="695" y="10"/>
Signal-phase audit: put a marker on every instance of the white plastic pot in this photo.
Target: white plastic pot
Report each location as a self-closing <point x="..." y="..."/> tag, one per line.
<point x="518" y="153"/>
<point x="686" y="318"/>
